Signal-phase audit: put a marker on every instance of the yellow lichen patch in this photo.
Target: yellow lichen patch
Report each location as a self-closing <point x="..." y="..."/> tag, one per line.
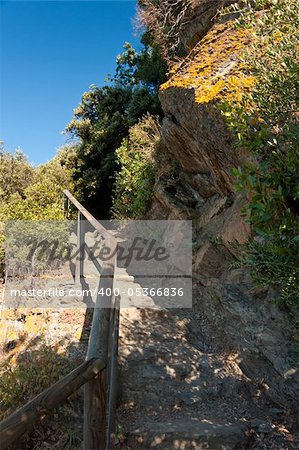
<point x="231" y="89"/>
<point x="78" y="334"/>
<point x="214" y="68"/>
<point x="35" y="324"/>
<point x="8" y="333"/>
<point x="8" y="314"/>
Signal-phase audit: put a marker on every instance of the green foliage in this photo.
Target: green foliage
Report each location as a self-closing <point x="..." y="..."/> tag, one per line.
<point x="33" y="372"/>
<point x="31" y="363"/>
<point x="36" y="247"/>
<point x="15" y="173"/>
<point x="135" y="180"/>
<point x="267" y="124"/>
<point x="146" y="68"/>
<point x="31" y="194"/>
<point x="103" y="118"/>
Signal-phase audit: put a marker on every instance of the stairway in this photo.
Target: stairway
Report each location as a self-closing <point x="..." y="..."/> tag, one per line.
<point x="177" y="395"/>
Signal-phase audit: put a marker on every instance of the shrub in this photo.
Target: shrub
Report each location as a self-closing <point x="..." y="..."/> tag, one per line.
<point x="163" y="19"/>
<point x="32" y="194"/>
<point x="266" y="123"/>
<point x="135" y="180"/>
<point x="104" y="116"/>
<point x="26" y="370"/>
<point x="16" y="173"/>
<point x="29" y="374"/>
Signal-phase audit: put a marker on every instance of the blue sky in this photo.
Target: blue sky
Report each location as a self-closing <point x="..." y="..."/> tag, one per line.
<point x="51" y="52"/>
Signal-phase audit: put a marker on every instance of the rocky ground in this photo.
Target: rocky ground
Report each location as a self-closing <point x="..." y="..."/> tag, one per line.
<point x="37" y="347"/>
<point x="179" y="391"/>
<point x="181" y="382"/>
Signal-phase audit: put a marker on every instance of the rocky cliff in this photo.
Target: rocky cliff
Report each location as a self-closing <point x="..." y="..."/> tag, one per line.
<point x="194" y="182"/>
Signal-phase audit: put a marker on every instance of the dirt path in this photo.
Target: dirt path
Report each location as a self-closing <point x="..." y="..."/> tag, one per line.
<point x="179" y="393"/>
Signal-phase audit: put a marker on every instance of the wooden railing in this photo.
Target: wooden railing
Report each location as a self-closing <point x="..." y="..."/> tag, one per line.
<point x="98" y="372"/>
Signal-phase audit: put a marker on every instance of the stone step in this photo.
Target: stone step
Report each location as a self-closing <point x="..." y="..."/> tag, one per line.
<point x="188" y="434"/>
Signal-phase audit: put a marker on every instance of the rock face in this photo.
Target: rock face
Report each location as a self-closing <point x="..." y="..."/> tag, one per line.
<point x="197" y="138"/>
<point x="245" y="319"/>
<point x="198" y="185"/>
<point x="199" y="20"/>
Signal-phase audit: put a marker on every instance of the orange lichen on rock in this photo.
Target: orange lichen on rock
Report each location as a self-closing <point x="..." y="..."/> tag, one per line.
<point x="214" y="68"/>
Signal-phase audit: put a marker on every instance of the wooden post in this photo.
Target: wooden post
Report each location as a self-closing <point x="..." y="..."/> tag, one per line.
<point x="112" y="376"/>
<point x="66" y="206"/>
<point x="95" y="393"/>
<point x="95" y="413"/>
<point x="25" y="418"/>
<point x="79" y="271"/>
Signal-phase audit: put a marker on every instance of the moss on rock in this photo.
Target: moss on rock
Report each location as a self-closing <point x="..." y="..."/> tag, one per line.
<point x="214" y="68"/>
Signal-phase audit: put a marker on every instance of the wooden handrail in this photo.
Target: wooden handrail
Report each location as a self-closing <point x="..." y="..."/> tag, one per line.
<point x="91" y="219"/>
<point x="25" y="418"/>
<point x="97" y="373"/>
<point x="112" y="368"/>
<point x="95" y="392"/>
<point x="99" y="395"/>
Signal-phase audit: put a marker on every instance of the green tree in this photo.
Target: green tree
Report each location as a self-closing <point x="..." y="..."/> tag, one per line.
<point x="40" y="197"/>
<point x="29" y="193"/>
<point x="135" y="180"/>
<point x="103" y="118"/>
<point x="16" y="173"/>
